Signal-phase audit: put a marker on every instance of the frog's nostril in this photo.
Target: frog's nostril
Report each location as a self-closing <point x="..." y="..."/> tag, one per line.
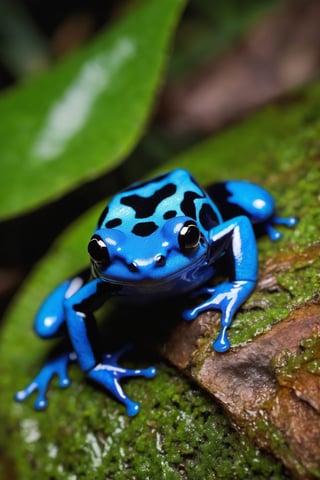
<point x="133" y="267"/>
<point x="160" y="260"/>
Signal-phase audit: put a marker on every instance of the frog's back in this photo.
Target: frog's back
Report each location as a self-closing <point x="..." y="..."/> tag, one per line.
<point x="144" y="207"/>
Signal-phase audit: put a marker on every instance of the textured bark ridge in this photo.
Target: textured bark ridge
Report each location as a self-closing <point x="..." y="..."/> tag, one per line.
<point x="270" y="386"/>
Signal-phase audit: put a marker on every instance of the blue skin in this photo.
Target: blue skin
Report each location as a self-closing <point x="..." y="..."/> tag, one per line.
<point x="154" y="240"/>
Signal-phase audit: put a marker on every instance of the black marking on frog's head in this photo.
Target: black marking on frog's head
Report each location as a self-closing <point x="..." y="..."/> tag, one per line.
<point x="169" y="214"/>
<point x="208" y="217"/>
<point x="146" y="206"/>
<point x="188" y="206"/>
<point x="144" y="229"/>
<point x="115" y="222"/>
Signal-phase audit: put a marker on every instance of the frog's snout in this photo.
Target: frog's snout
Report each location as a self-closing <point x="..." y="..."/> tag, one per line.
<point x="140" y="265"/>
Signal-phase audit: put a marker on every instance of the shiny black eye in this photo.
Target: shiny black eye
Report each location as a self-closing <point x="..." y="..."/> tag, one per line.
<point x="189" y="237"/>
<point x="98" y="251"/>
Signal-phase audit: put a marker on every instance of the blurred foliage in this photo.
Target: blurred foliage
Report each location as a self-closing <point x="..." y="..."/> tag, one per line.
<point x="209" y="28"/>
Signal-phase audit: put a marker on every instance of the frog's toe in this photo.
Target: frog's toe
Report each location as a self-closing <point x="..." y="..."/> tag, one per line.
<point x="221" y="345"/>
<point x="64" y="382"/>
<point x="273" y="234"/>
<point x="41" y="401"/>
<point x="287" y="221"/>
<point x="150" y="372"/>
<point x="133" y="408"/>
<point x="22" y="395"/>
<point x="190" y="314"/>
<point x="292" y="221"/>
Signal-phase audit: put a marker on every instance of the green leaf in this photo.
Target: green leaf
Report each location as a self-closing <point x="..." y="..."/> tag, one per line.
<point x="85" y="115"/>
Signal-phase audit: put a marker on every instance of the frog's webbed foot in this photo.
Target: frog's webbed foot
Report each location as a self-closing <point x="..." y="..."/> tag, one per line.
<point x="226" y="297"/>
<point x="108" y="373"/>
<point x="55" y="366"/>
<point x="275" y="220"/>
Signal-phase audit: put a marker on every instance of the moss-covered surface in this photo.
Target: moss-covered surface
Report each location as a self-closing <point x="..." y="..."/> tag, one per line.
<point x="294" y="284"/>
<point x="308" y="359"/>
<point x="178" y="434"/>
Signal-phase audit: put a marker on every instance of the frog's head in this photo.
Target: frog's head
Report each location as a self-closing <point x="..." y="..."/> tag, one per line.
<point x="148" y="254"/>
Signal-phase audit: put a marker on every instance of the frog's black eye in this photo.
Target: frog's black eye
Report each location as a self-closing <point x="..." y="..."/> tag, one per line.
<point x="98" y="251"/>
<point x="189" y="237"/>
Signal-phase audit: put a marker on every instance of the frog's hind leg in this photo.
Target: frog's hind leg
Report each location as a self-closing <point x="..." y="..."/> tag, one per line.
<point x="50" y="323"/>
<point x="238" y="197"/>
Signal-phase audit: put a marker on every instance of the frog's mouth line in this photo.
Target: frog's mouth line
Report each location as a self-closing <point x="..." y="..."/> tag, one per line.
<point x="151" y="283"/>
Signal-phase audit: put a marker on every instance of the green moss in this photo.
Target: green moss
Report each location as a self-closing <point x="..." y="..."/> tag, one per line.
<point x="308" y="358"/>
<point x="179" y="433"/>
<point x="276" y="441"/>
<point x="248" y="324"/>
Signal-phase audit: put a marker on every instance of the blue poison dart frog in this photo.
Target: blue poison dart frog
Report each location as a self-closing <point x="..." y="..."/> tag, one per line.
<point x="156" y="239"/>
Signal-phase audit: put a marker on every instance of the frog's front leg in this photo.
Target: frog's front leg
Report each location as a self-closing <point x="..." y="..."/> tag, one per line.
<point x="235" y="239"/>
<point x="103" y="369"/>
<point x="50" y="323"/>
